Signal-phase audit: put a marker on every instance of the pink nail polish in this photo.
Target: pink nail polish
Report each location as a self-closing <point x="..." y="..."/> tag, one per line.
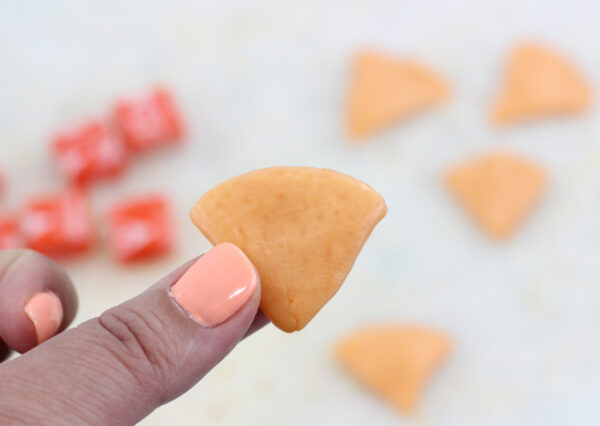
<point x="216" y="286"/>
<point x="46" y="313"/>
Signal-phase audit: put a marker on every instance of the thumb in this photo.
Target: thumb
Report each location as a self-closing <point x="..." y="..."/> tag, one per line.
<point x="119" y="367"/>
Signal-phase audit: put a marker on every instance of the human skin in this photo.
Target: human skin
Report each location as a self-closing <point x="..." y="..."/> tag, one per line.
<point x="117" y="368"/>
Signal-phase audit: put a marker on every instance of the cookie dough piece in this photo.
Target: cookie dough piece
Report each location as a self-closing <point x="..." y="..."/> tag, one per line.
<point x="498" y="191"/>
<point x="302" y="228"/>
<point x="394" y="361"/>
<point x="539" y="83"/>
<point x="384" y="90"/>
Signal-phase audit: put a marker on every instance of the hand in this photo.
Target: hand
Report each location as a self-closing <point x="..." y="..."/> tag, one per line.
<point x="119" y="367"/>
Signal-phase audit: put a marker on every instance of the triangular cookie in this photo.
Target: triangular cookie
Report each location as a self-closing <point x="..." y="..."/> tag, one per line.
<point x="384" y="90"/>
<point x="498" y="190"/>
<point x="394" y="361"/>
<point x="539" y="83"/>
<point x="301" y="227"/>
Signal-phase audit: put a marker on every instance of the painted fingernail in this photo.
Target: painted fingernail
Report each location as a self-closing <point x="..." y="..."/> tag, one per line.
<point x="216" y="286"/>
<point x="46" y="313"/>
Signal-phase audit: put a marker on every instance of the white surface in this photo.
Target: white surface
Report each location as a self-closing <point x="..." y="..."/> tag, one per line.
<point x="262" y="83"/>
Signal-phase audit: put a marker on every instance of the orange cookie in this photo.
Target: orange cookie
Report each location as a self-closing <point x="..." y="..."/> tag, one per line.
<point x="539" y="83"/>
<point x="394" y="361"/>
<point x="302" y="228"/>
<point x="384" y="90"/>
<point x="498" y="190"/>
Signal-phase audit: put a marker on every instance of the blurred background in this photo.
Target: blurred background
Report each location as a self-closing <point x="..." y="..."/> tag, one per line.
<point x="263" y="83"/>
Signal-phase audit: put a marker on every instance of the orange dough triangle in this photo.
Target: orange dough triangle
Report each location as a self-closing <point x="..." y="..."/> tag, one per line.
<point x="498" y="190"/>
<point x="384" y="90"/>
<point x="301" y="227"/>
<point x="394" y="361"/>
<point x="539" y="83"/>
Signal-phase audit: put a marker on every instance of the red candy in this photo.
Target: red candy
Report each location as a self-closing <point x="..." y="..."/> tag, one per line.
<point x="58" y="225"/>
<point x="10" y="234"/>
<point x="149" y="121"/>
<point x="89" y="152"/>
<point x="140" y="229"/>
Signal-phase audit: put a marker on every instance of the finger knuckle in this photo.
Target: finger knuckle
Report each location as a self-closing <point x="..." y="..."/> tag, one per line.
<point x="139" y="343"/>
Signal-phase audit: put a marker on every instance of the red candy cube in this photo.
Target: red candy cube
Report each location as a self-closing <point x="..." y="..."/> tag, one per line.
<point x="58" y="225"/>
<point x="140" y="229"/>
<point x="89" y="152"/>
<point x="10" y="234"/>
<point x="149" y="121"/>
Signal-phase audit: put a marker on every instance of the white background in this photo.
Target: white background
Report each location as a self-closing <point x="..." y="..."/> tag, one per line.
<point x="262" y="83"/>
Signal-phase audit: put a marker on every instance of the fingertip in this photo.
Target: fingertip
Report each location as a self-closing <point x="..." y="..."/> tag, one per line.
<point x="45" y="311"/>
<point x="216" y="286"/>
<point x="37" y="299"/>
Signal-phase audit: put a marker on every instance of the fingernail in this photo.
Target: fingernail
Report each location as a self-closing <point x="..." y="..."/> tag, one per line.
<point x="216" y="286"/>
<point x="46" y="313"/>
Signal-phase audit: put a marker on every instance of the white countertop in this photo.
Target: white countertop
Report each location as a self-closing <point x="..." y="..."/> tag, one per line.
<point x="262" y="83"/>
